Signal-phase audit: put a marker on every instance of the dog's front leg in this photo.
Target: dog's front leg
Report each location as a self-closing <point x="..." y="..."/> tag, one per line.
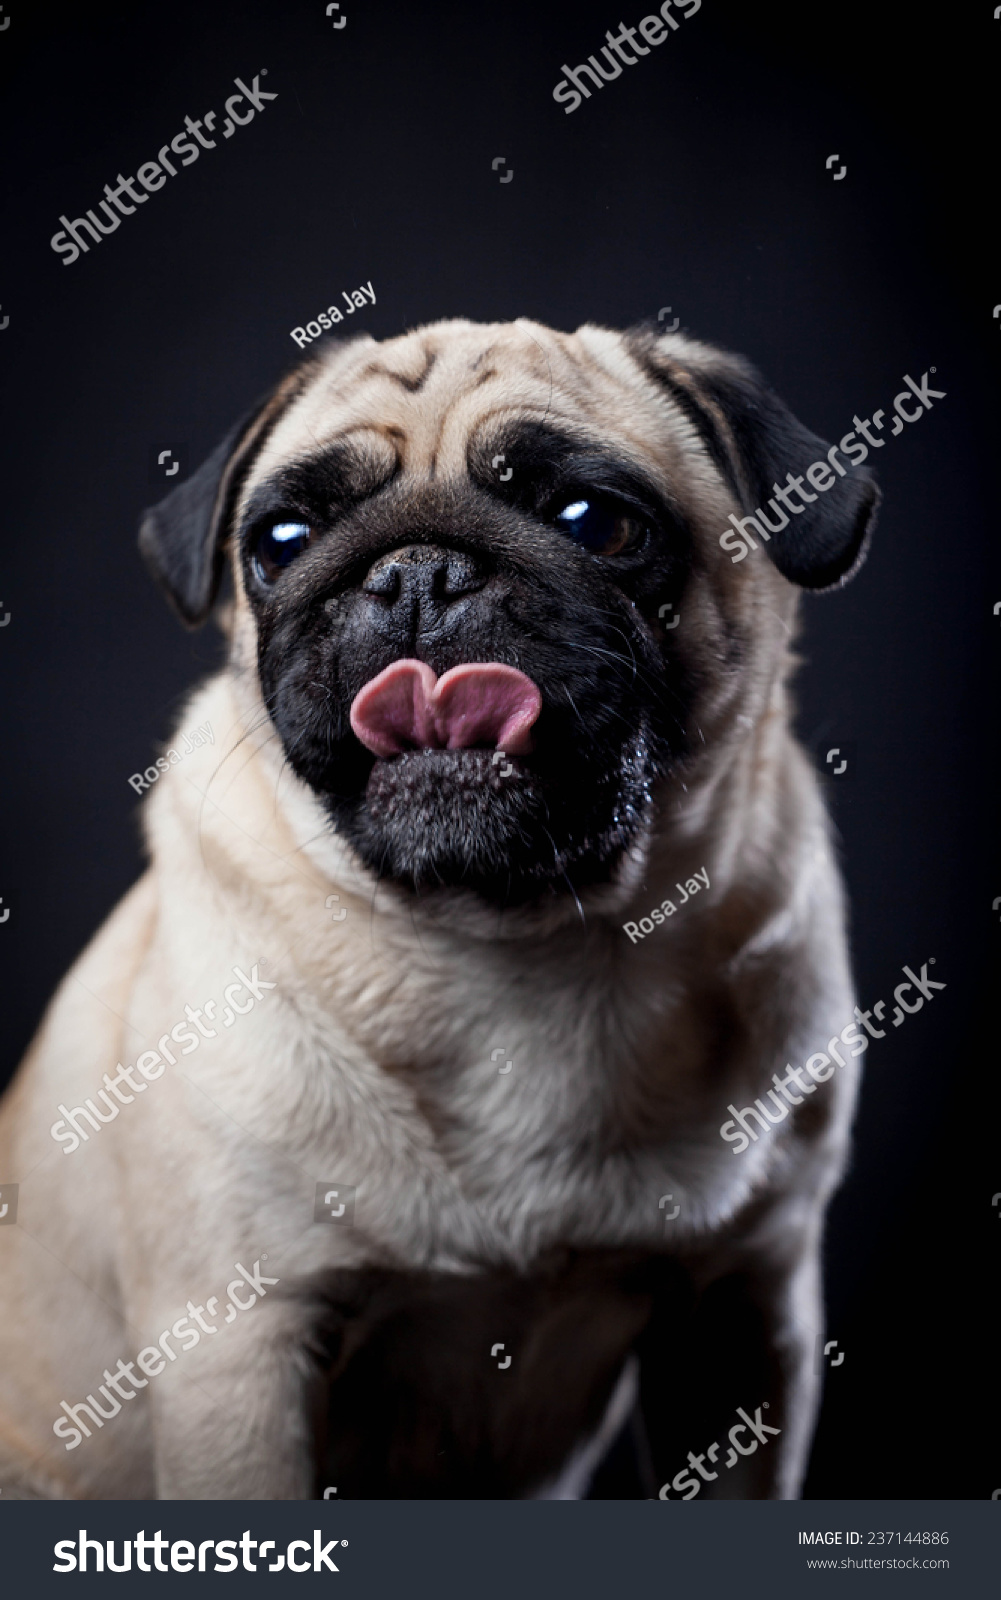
<point x="234" y="1418"/>
<point x="769" y="1437"/>
<point x="768" y="1434"/>
<point x="796" y="1324"/>
<point x="743" y="1416"/>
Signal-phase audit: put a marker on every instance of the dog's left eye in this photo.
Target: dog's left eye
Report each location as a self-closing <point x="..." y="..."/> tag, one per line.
<point x="278" y="546"/>
<point x="600" y="526"/>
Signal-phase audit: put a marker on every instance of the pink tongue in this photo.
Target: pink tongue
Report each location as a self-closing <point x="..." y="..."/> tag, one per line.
<point x="480" y="703"/>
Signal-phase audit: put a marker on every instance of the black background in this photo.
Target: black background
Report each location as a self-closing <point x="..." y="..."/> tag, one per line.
<point x="696" y="180"/>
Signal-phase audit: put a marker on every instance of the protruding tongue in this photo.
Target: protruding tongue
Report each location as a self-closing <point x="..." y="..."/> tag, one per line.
<point x="480" y="703"/>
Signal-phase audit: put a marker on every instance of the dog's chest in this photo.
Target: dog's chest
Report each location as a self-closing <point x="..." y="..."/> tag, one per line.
<point x="549" y="1111"/>
<point x="481" y="1384"/>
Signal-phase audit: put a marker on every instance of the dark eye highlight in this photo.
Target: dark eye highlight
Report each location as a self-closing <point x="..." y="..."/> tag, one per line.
<point x="278" y="546"/>
<point x="600" y="526"/>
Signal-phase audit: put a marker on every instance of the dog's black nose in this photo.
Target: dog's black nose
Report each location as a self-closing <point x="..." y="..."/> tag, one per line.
<point x="416" y="585"/>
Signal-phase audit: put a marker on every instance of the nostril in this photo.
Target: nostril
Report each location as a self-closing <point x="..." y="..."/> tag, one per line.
<point x="424" y="575"/>
<point x="384" y="581"/>
<point x="458" y="576"/>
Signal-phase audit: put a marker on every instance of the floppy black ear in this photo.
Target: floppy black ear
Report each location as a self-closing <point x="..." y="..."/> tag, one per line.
<point x="756" y="442"/>
<point x="183" y="538"/>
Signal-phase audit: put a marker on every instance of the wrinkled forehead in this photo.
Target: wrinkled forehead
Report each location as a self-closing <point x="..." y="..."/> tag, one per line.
<point x="416" y="402"/>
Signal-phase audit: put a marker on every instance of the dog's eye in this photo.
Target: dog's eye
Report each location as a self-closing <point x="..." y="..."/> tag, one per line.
<point x="277" y="547"/>
<point x="600" y="526"/>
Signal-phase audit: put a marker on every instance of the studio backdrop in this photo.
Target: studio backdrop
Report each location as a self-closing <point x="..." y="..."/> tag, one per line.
<point x="802" y="187"/>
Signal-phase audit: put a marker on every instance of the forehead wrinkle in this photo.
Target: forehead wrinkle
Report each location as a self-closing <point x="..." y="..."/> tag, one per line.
<point x="438" y="420"/>
<point x="570" y="379"/>
<point x="466" y="414"/>
<point x="369" y="395"/>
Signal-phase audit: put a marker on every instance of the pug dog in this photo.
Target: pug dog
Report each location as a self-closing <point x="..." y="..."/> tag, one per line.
<point x="383" y="1140"/>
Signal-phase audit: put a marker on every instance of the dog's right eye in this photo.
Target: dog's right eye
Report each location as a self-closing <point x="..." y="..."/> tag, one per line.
<point x="600" y="525"/>
<point x="278" y="546"/>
